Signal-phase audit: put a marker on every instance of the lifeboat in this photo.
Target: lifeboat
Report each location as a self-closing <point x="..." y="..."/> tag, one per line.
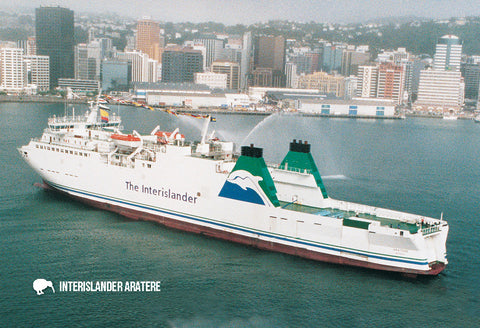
<point x="126" y="140"/>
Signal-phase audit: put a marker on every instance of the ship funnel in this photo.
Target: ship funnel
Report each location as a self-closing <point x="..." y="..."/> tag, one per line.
<point x="300" y="159"/>
<point x="250" y="181"/>
<point x="252" y="151"/>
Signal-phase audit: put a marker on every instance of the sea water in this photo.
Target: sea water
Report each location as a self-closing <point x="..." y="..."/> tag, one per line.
<point x="422" y="166"/>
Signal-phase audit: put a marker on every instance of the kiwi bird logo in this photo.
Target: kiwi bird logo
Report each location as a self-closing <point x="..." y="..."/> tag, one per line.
<point x="40" y="285"/>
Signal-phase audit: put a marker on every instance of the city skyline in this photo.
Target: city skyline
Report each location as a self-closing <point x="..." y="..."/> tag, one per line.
<point x="247" y="11"/>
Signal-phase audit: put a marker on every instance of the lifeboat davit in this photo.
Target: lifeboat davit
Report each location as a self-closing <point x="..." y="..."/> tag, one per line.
<point x="167" y="137"/>
<point x="126" y="140"/>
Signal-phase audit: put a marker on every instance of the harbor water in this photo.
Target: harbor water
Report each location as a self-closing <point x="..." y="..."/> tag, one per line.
<point x="417" y="165"/>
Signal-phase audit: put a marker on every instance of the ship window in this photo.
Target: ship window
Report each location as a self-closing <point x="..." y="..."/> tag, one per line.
<point x="57" y="150"/>
<point x="61" y="150"/>
<point x="149" y="166"/>
<point x="401" y="233"/>
<point x="85" y="154"/>
<point x="76" y="153"/>
<point x="71" y="152"/>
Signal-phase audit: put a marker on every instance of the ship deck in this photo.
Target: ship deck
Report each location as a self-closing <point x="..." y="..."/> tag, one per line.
<point x="351" y="215"/>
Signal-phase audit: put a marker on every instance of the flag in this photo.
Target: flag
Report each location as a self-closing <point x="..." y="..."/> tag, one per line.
<point x="170" y="112"/>
<point x="103" y="107"/>
<point x="213" y="119"/>
<point x="104" y="115"/>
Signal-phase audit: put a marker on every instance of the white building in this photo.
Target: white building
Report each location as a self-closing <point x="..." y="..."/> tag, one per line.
<point x="38" y="71"/>
<point x="367" y="108"/>
<point x="213" y="47"/>
<point x="85" y="66"/>
<point x="13" y="71"/>
<point x="440" y="89"/>
<point x="291" y="74"/>
<point x="367" y="81"/>
<point x="448" y="53"/>
<point x="213" y="80"/>
<point x="144" y="69"/>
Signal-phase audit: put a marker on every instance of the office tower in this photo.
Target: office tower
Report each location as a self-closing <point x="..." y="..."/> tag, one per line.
<point x="85" y="66"/>
<point x="144" y="69"/>
<point x="213" y="46"/>
<point x="116" y="75"/>
<point x="269" y="61"/>
<point x="180" y="64"/>
<point x="440" y="88"/>
<point x="148" y="38"/>
<point x="390" y="83"/>
<point x="54" y="29"/>
<point x="232" y="70"/>
<point x="471" y="76"/>
<point x="303" y="62"/>
<point x="291" y="75"/>
<point x="351" y="60"/>
<point x="246" y="62"/>
<point x="332" y="57"/>
<point x="448" y="53"/>
<point x="38" y="71"/>
<point x="412" y="77"/>
<point x="13" y="72"/>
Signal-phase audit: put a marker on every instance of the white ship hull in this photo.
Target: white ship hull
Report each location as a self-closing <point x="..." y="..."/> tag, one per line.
<point x="171" y="186"/>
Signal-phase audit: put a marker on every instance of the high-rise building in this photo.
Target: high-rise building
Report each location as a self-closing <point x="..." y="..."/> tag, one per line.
<point x="180" y="64"/>
<point x="213" y="46"/>
<point x="54" y="29"/>
<point x="448" y="53"/>
<point x="246" y="63"/>
<point x="332" y="57"/>
<point x="13" y="72"/>
<point x="116" y="75"/>
<point x="38" y="71"/>
<point x="148" y="38"/>
<point x="291" y="75"/>
<point x="390" y="82"/>
<point x="440" y="88"/>
<point x="412" y="77"/>
<point x="269" y="61"/>
<point x="85" y="66"/>
<point x="144" y="69"/>
<point x="232" y="70"/>
<point x="351" y="60"/>
<point x="471" y="76"/>
<point x="367" y="79"/>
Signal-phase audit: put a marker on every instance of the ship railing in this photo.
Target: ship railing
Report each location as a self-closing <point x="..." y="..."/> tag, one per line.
<point x="288" y="168"/>
<point x="430" y="230"/>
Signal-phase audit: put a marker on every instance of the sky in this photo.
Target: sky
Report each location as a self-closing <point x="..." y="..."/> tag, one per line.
<point x="231" y="12"/>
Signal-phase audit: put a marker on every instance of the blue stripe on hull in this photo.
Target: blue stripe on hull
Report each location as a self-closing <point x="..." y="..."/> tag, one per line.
<point x="424" y="262"/>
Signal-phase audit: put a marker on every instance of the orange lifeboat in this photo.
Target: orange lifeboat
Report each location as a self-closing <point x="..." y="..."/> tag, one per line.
<point x="126" y="140"/>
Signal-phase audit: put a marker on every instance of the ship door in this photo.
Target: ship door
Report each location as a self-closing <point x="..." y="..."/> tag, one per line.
<point x="272" y="223"/>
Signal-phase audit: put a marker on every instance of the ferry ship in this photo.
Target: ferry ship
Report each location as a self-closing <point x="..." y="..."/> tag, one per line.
<point x="205" y="187"/>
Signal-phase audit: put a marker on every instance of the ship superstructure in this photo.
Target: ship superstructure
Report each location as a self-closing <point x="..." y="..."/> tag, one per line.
<point x="205" y="187"/>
